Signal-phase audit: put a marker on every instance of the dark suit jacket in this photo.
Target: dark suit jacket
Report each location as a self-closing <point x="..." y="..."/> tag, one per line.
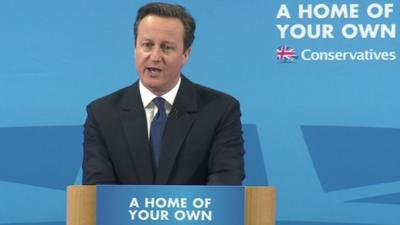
<point x="202" y="142"/>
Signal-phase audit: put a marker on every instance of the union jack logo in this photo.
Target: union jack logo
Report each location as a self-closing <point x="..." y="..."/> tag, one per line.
<point x="285" y="54"/>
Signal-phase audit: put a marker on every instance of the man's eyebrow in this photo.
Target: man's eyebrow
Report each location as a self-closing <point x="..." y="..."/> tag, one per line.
<point x="146" y="39"/>
<point x="168" y="42"/>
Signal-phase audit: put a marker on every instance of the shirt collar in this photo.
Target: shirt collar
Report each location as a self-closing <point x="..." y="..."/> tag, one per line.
<point x="148" y="96"/>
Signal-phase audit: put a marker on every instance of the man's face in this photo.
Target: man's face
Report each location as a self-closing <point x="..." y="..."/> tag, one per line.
<point x="159" y="54"/>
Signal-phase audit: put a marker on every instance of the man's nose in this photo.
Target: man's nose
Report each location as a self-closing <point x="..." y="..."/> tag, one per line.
<point x="156" y="54"/>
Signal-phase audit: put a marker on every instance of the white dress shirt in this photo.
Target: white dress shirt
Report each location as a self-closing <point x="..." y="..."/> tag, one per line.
<point x="150" y="108"/>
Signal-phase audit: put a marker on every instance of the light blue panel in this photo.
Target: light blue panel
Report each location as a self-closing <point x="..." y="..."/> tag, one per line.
<point x="384" y="199"/>
<point x="29" y="204"/>
<point x="350" y="157"/>
<point x="253" y="157"/>
<point x="41" y="156"/>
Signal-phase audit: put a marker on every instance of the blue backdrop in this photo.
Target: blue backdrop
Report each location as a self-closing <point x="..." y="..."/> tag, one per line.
<point x="325" y="133"/>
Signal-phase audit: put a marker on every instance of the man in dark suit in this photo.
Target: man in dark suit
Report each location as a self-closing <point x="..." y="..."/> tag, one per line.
<point x="163" y="129"/>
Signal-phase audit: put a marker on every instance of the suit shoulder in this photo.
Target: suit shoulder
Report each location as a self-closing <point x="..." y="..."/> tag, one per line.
<point x="113" y="99"/>
<point x="209" y="94"/>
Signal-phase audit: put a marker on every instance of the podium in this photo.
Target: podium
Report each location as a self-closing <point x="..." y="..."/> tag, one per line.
<point x="259" y="205"/>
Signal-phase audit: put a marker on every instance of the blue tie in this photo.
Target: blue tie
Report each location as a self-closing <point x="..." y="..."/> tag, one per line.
<point x="157" y="129"/>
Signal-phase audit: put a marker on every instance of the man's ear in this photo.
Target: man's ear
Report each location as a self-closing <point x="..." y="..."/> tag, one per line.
<point x="186" y="55"/>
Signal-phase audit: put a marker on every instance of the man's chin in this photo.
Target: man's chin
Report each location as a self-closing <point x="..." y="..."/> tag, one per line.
<point x="154" y="87"/>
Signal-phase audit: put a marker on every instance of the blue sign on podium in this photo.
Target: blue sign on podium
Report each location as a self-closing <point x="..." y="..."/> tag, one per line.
<point x="161" y="204"/>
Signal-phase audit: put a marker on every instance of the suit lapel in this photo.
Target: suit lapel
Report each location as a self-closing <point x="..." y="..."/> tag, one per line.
<point x="178" y="125"/>
<point x="133" y="120"/>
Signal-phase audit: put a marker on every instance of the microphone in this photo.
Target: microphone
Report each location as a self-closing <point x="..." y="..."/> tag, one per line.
<point x="173" y="114"/>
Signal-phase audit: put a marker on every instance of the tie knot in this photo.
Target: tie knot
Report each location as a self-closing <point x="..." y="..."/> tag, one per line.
<point x="160" y="103"/>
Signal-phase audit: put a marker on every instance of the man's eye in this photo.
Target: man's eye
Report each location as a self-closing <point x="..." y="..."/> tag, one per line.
<point x="147" y="46"/>
<point x="168" y="48"/>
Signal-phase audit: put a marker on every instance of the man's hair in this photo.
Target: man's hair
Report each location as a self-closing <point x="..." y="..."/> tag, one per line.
<point x="168" y="11"/>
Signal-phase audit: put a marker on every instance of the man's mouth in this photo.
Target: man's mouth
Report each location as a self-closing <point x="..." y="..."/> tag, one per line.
<point x="153" y="69"/>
